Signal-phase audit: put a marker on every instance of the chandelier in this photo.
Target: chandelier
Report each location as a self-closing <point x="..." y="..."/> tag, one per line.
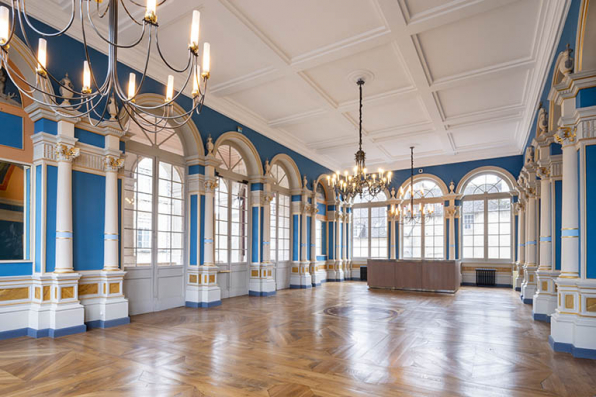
<point x="360" y="181"/>
<point x="410" y="214"/>
<point x="106" y="101"/>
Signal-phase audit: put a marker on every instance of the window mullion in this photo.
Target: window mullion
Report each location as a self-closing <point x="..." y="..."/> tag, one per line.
<point x="486" y="228"/>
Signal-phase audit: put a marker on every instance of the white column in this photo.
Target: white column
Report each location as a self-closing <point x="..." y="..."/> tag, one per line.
<point x="266" y="272"/>
<point x="64" y="155"/>
<point x="529" y="284"/>
<point x="545" y="299"/>
<point x="521" y="245"/>
<point x="339" y="271"/>
<point x="450" y="212"/>
<point x="111" y="232"/>
<point x="313" y="244"/>
<point x="305" y="278"/>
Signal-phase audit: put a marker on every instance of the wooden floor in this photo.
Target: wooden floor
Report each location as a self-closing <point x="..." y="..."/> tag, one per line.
<point x="336" y="340"/>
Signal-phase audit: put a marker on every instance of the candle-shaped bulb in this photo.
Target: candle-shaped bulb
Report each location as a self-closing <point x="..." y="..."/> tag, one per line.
<point x="151" y="12"/>
<point x="86" y="78"/>
<point x="346" y="173"/>
<point x="194" y="32"/>
<point x="196" y="81"/>
<point x="132" y="86"/>
<point x="170" y="88"/>
<point x="42" y="56"/>
<point x="206" y="60"/>
<point x="4" y="25"/>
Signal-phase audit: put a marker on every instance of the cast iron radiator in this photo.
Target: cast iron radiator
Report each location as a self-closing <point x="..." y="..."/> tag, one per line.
<point x="486" y="276"/>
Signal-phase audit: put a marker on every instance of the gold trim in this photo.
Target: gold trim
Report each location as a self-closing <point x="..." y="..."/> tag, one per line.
<point x="582" y="35"/>
<point x="88" y="289"/>
<point x="11" y="294"/>
<point x="569" y="302"/>
<point x="114" y="288"/>
<point x="67" y="292"/>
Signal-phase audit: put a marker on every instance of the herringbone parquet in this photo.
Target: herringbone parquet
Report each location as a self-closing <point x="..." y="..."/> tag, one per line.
<point x="340" y="339"/>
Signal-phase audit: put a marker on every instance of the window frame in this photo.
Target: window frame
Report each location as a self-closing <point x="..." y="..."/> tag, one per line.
<point x="486" y="197"/>
<point x="369" y="206"/>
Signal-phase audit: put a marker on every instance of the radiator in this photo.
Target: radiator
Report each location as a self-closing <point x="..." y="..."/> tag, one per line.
<point x="486" y="277"/>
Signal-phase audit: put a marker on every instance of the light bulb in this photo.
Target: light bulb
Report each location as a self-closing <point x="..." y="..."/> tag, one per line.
<point x="42" y="56"/>
<point x="151" y="13"/>
<point x="196" y="81"/>
<point x="206" y="60"/>
<point x="86" y="78"/>
<point x="132" y="86"/>
<point x="194" y="31"/>
<point x="4" y="25"/>
<point x="170" y="88"/>
<point x="346" y="173"/>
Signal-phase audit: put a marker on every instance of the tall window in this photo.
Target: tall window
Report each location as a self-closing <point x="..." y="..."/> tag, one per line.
<point x="369" y="226"/>
<point x="231" y="208"/>
<point x="280" y="216"/>
<point x="425" y="238"/>
<point x="139" y="203"/>
<point x="170" y="219"/>
<point x="319" y="237"/>
<point x="486" y="218"/>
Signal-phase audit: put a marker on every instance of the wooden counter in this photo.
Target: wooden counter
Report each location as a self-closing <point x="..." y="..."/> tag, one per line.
<point x="416" y="275"/>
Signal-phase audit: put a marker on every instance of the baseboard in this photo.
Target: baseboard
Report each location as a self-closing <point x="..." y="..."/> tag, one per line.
<point x="541" y="317"/>
<point x="528" y="301"/>
<point x="316" y="284"/>
<point x="203" y="305"/>
<point x="56" y="333"/>
<point x="518" y="289"/>
<point x="261" y="293"/>
<point x="577" y="352"/>
<point x="294" y="286"/>
<point x="107" y="323"/>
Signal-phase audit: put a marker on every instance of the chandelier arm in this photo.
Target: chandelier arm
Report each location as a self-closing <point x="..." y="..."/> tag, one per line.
<point x="128" y="13"/>
<point x="34" y="89"/>
<point x="131" y="45"/>
<point x="118" y="89"/>
<point x="88" y="58"/>
<point x="39" y="32"/>
<point x="174" y="98"/>
<point x="12" y="27"/>
<point x="100" y="14"/>
<point x="188" y="63"/>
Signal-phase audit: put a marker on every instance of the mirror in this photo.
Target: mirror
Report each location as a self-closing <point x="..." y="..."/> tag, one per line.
<point x="15" y="192"/>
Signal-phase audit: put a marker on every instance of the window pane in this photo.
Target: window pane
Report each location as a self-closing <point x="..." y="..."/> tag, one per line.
<point x="473" y="226"/>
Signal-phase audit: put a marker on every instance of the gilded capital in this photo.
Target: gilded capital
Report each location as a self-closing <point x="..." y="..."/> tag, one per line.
<point x="66" y="153"/>
<point x="566" y="135"/>
<point x="113" y="164"/>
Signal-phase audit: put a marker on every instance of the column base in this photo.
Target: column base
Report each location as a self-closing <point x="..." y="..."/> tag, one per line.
<point x="102" y="297"/>
<point x="528" y="288"/>
<point x="302" y="279"/>
<point x="545" y="298"/>
<point x="264" y="285"/>
<point x="573" y="325"/>
<point x="319" y="274"/>
<point x="202" y="290"/>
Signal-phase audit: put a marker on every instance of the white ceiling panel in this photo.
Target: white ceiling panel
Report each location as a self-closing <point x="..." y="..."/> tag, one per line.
<point x="504" y="34"/>
<point x="484" y="95"/>
<point x="401" y="112"/>
<point x="277" y="99"/>
<point x="300" y="27"/>
<point x="485" y="135"/>
<point x="334" y="78"/>
<point x="321" y="130"/>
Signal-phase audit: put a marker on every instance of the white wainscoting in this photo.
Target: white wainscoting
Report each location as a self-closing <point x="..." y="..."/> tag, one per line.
<point x="282" y="272"/>
<point x="149" y="290"/>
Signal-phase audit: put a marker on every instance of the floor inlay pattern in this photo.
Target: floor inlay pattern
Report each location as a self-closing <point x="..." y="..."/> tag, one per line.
<point x="478" y="342"/>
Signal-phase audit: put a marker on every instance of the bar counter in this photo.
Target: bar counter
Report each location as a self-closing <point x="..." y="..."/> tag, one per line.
<point x="414" y="275"/>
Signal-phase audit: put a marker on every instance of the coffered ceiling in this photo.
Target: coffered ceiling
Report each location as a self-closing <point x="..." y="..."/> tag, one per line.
<point x="457" y="79"/>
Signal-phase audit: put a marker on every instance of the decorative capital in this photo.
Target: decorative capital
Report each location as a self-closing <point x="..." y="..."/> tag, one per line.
<point x="543" y="172"/>
<point x="518" y="208"/>
<point x="66" y="153"/>
<point x="566" y="135"/>
<point x="113" y="164"/>
<point x="451" y="212"/>
<point x="211" y="185"/>
<point x="266" y="198"/>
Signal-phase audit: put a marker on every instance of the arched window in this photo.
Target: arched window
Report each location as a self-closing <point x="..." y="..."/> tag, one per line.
<point x="425" y="237"/>
<point x="231" y="209"/>
<point x="369" y="226"/>
<point x="280" y="216"/>
<point x="231" y="160"/>
<point x="486" y="218"/>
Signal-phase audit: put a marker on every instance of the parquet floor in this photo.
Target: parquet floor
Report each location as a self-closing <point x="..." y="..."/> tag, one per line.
<point x="340" y="339"/>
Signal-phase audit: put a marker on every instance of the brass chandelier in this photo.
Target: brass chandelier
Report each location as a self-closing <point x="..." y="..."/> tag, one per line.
<point x="360" y="182"/>
<point x="106" y="101"/>
<point x="410" y="214"/>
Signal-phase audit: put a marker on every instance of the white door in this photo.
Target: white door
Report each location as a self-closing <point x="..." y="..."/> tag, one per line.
<point x="280" y="239"/>
<point x="153" y="234"/>
<point x="231" y="233"/>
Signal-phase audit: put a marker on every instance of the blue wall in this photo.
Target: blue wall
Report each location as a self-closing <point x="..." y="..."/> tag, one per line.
<point x="11" y="133"/>
<point x="51" y="198"/>
<point x="456" y="171"/>
<point x="193" y="229"/>
<point x="590" y="210"/>
<point x="88" y="220"/>
<point x="558" y="216"/>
